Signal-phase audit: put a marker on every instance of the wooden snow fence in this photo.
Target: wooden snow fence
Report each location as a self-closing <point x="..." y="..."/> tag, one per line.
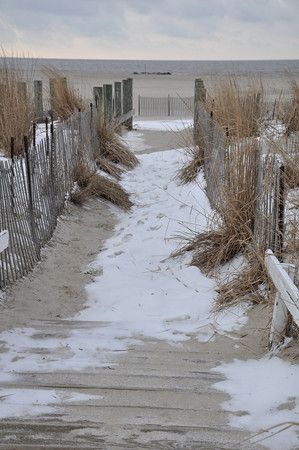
<point x="286" y="299"/>
<point x="263" y="174"/>
<point x="33" y="190"/>
<point x="169" y="106"/>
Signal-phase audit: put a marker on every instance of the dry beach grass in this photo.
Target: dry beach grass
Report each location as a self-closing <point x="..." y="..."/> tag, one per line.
<point x="91" y="184"/>
<point x="240" y="114"/>
<point x="16" y="105"/>
<point x="65" y="100"/>
<point x="111" y="146"/>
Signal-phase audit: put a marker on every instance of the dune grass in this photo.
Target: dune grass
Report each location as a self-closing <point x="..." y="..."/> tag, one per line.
<point x="93" y="185"/>
<point x="238" y="110"/>
<point x="112" y="147"/>
<point x="292" y="113"/>
<point x="64" y="99"/>
<point x="16" y="105"/>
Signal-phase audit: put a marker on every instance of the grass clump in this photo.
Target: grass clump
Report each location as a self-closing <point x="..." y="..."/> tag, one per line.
<point x="64" y="99"/>
<point x="93" y="185"/>
<point x="232" y="227"/>
<point x="292" y="113"/>
<point x="246" y="284"/>
<point x="195" y="148"/>
<point x="112" y="147"/>
<point x="109" y="167"/>
<point x="16" y="105"/>
<point x="238" y="110"/>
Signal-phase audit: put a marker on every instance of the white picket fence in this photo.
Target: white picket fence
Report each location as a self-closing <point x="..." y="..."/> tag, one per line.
<point x="286" y="299"/>
<point x="4" y="238"/>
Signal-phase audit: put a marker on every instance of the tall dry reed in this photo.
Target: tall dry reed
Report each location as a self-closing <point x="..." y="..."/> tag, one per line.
<point x="292" y="113"/>
<point x="238" y="109"/>
<point x="16" y="104"/>
<point x="64" y="99"/>
<point x="111" y="146"/>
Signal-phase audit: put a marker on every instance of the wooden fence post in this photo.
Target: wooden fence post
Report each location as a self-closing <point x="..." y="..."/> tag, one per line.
<point x="38" y="99"/>
<point x="52" y="83"/>
<point x="30" y="197"/>
<point x="117" y="99"/>
<point x="108" y="101"/>
<point x="98" y="97"/>
<point x="139" y="104"/>
<point x="199" y="97"/>
<point x="168" y="105"/>
<point x="22" y="90"/>
<point x="128" y="100"/>
<point x="281" y="211"/>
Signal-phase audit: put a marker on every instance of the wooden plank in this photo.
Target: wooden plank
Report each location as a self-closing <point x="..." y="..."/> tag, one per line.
<point x="288" y="292"/>
<point x="117" y="99"/>
<point x="128" y="101"/>
<point x="4" y="239"/>
<point x="98" y="97"/>
<point x="38" y="99"/>
<point x="108" y="101"/>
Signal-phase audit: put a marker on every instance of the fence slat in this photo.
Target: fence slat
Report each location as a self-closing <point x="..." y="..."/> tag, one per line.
<point x="4" y="237"/>
<point x="287" y="297"/>
<point x="33" y="190"/>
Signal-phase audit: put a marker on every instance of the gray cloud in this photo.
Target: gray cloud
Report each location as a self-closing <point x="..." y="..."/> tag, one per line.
<point x="163" y="28"/>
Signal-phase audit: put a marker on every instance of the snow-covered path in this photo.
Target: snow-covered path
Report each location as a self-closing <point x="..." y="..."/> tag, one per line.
<point x="133" y="368"/>
<point x="142" y="290"/>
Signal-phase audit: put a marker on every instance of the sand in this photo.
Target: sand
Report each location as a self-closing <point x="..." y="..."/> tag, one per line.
<point x="154" y="395"/>
<point x="55" y="287"/>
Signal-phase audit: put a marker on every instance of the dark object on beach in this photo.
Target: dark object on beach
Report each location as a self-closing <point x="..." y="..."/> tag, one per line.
<point x="152" y="73"/>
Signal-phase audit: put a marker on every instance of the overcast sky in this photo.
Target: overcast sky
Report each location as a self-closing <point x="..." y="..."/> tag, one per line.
<point x="151" y="29"/>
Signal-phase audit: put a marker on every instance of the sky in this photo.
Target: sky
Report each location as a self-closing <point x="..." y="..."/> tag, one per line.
<point x="151" y="29"/>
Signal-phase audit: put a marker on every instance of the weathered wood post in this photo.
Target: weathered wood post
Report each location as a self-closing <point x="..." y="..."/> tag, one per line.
<point x="139" y="104"/>
<point x="108" y="101"/>
<point x="38" y="99"/>
<point x="52" y="85"/>
<point x="168" y="105"/>
<point x="98" y="97"/>
<point x="30" y="197"/>
<point x="128" y="101"/>
<point x="117" y="99"/>
<point x="199" y="97"/>
<point x="22" y="90"/>
<point x="281" y="212"/>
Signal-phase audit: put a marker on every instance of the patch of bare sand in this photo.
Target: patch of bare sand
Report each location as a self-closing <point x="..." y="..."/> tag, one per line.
<point x="55" y="287"/>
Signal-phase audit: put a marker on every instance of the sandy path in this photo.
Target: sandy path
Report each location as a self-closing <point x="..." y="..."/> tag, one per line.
<point x="55" y="288"/>
<point x="143" y="394"/>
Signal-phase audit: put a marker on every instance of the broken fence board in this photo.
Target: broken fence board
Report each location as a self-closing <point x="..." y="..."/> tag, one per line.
<point x="4" y="238"/>
<point x="288" y="292"/>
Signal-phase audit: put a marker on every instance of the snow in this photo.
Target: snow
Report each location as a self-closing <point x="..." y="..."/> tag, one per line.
<point x="136" y="142"/>
<point x="265" y="393"/>
<point x="142" y="291"/>
<point x="163" y="125"/>
<point x="34" y="402"/>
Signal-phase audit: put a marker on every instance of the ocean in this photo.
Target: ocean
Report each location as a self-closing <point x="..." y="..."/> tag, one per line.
<point x="194" y="68"/>
<point x="84" y="74"/>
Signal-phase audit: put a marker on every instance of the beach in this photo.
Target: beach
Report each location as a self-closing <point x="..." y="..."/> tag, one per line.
<point x="275" y="76"/>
